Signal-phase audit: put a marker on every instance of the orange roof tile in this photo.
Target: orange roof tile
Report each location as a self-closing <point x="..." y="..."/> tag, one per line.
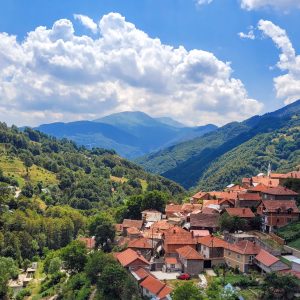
<point x="132" y="230"/>
<point x="265" y="180"/>
<point x="212" y="241"/>
<point x="283" y="205"/>
<point x="172" y="208"/>
<point x="166" y="290"/>
<point x="128" y="256"/>
<point x="188" y="252"/>
<point x="132" y="223"/>
<point x="266" y="258"/>
<point x="171" y="260"/>
<point x="141" y="243"/>
<point x="156" y="287"/>
<point x="161" y="225"/>
<point x="141" y="273"/>
<point x="244" y="247"/>
<point x="180" y="239"/>
<point x="259" y="188"/>
<point x="200" y="233"/>
<point x="249" y="197"/>
<point x="280" y="190"/>
<point x="200" y="195"/>
<point x="242" y="212"/>
<point x="90" y="243"/>
<point x="205" y="220"/>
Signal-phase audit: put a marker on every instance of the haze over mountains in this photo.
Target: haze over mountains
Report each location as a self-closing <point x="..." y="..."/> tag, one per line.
<point x="235" y="150"/>
<point x="131" y="134"/>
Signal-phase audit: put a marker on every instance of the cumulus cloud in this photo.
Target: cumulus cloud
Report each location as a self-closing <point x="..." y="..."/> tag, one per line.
<point x="87" y="22"/>
<point x="250" y="35"/>
<point x="203" y="2"/>
<point x="275" y="4"/>
<point x="54" y="74"/>
<point x="288" y="85"/>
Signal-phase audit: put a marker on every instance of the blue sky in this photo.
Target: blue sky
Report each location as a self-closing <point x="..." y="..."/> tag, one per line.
<point x="210" y="27"/>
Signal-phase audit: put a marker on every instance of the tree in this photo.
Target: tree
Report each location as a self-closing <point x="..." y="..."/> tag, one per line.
<point x="187" y="291"/>
<point x="8" y="269"/>
<point x="103" y="229"/>
<point x="74" y="256"/>
<point x="232" y="224"/>
<point x="277" y="286"/>
<point x="133" y="204"/>
<point x="55" y="265"/>
<point x="154" y="200"/>
<point x="27" y="190"/>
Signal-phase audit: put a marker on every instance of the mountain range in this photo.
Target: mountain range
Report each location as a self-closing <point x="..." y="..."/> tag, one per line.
<point x="130" y="134"/>
<point x="237" y="149"/>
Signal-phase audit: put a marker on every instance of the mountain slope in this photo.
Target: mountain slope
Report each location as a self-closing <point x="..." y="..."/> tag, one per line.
<point x="131" y="134"/>
<point x="188" y="162"/>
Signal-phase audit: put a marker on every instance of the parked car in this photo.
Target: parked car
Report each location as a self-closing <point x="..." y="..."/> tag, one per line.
<point x="184" y="276"/>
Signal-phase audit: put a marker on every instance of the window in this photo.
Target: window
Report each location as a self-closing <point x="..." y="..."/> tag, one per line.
<point x="251" y="257"/>
<point x="172" y="266"/>
<point x="278" y="220"/>
<point x="238" y="256"/>
<point x="204" y="247"/>
<point x="229" y="253"/>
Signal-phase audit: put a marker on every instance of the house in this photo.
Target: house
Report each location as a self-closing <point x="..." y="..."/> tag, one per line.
<point x="131" y="259"/>
<point x="127" y="223"/>
<point x="200" y="233"/>
<point x="191" y="260"/>
<point x="241" y="212"/>
<point x="172" y="264"/>
<point x="241" y="255"/>
<point x="277" y="213"/>
<point x="269" y="263"/>
<point x="235" y="188"/>
<point x="212" y="250"/>
<point x="176" y="238"/>
<point x="279" y="193"/>
<point x="133" y="233"/>
<point x="265" y="180"/>
<point x="250" y="200"/>
<point x="151" y="215"/>
<point x="153" y="288"/>
<point x="204" y="221"/>
<point x="173" y="209"/>
<point x="141" y="245"/>
<point x="89" y="242"/>
<point x="200" y="196"/>
<point x="140" y="273"/>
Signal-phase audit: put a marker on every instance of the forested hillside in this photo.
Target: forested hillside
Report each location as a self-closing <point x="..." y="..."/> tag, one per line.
<point x="52" y="191"/>
<point x="191" y="161"/>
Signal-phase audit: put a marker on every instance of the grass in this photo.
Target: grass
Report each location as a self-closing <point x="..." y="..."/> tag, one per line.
<point x="14" y="167"/>
<point x="250" y="293"/>
<point x="295" y="244"/>
<point x="144" y="183"/>
<point x="35" y="285"/>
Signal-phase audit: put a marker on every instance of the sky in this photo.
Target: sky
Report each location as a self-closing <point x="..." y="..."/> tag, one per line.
<point x="197" y="61"/>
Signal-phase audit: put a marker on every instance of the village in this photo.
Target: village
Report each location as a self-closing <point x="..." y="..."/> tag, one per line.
<point x="186" y="241"/>
<point x="192" y="241"/>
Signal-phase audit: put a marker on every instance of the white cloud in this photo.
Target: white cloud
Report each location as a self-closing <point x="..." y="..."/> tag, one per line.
<point x="87" y="22"/>
<point x="285" y="5"/>
<point x="55" y="75"/>
<point x="203" y="2"/>
<point x="250" y="35"/>
<point x="288" y="85"/>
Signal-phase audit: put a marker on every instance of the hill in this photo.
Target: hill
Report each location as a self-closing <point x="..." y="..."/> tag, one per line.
<point x="73" y="175"/>
<point x="131" y="134"/>
<point x="203" y="159"/>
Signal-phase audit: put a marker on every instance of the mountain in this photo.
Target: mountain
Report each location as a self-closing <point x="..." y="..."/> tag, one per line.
<point x="232" y="151"/>
<point x="131" y="134"/>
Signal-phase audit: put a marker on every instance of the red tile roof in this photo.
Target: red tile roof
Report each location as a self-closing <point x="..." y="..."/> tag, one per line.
<point x="283" y="205"/>
<point x="140" y="243"/>
<point x="265" y="180"/>
<point x="189" y="207"/>
<point x="156" y="287"/>
<point x="141" y="273"/>
<point x="244" y="247"/>
<point x="173" y="208"/>
<point x="266" y="258"/>
<point x="90" y="243"/>
<point x="280" y="191"/>
<point x="240" y="212"/>
<point x="189" y="253"/>
<point x="180" y="239"/>
<point x="171" y="260"/>
<point x="161" y="225"/>
<point x="249" y="197"/>
<point x="132" y="223"/>
<point x="204" y="220"/>
<point x="224" y="195"/>
<point x="128" y="256"/>
<point x="291" y="272"/>
<point x="212" y="241"/>
<point x="259" y="188"/>
<point x="200" y="233"/>
<point x="200" y="195"/>
<point x="132" y="230"/>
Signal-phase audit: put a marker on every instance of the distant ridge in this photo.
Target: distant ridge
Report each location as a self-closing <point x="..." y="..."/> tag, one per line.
<point x="130" y="134"/>
<point x="232" y="151"/>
